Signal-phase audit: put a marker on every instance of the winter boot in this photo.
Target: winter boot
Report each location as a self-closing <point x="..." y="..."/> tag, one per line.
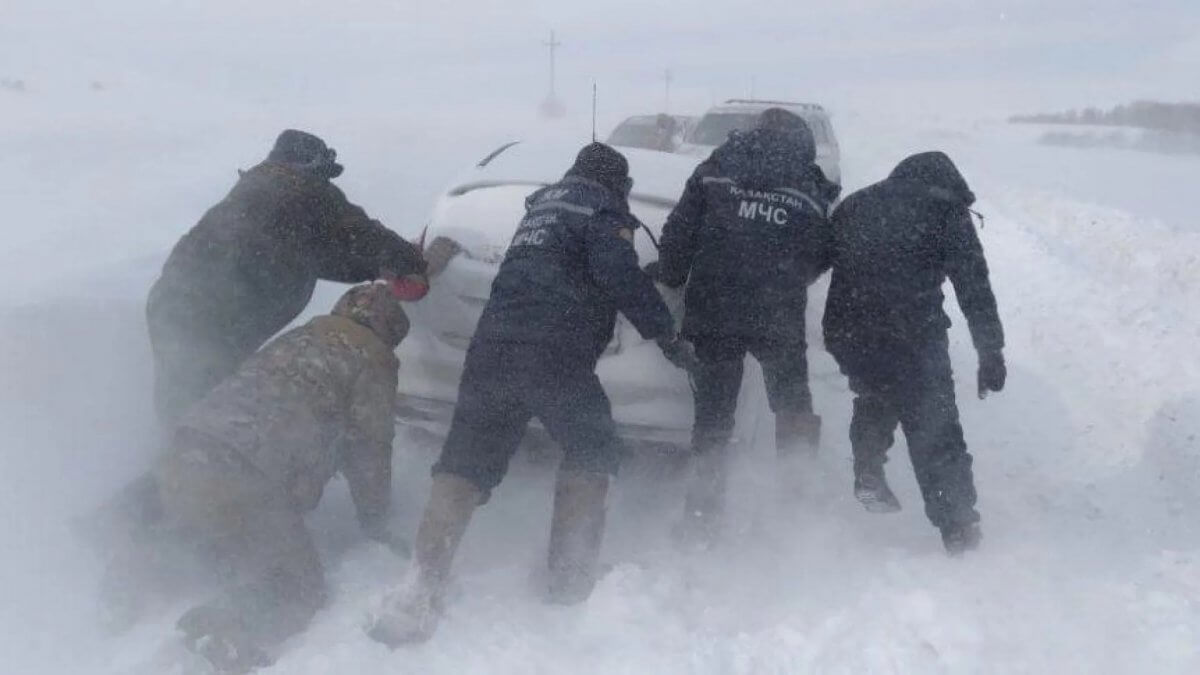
<point x="960" y="538"/>
<point x="871" y="488"/>
<point x="576" y="532"/>
<point x="797" y="434"/>
<point x="412" y="614"/>
<point x="704" y="502"/>
<point x="220" y="635"/>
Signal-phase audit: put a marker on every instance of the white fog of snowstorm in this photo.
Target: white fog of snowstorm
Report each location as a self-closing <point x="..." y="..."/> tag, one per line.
<point x="121" y="123"/>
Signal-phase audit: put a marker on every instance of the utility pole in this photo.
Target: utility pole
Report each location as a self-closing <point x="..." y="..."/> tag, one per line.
<point x="553" y="44"/>
<point x="667" y="91"/>
<point x="552" y="107"/>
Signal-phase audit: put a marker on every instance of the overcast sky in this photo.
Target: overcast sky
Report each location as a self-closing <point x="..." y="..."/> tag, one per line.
<point x="977" y="55"/>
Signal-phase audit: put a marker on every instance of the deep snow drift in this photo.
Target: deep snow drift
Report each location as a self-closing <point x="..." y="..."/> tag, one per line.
<point x="1088" y="465"/>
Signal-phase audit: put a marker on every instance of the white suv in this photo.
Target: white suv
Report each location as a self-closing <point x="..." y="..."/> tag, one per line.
<point x="740" y="114"/>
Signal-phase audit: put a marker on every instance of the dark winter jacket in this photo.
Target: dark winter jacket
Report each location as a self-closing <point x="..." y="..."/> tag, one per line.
<point x="748" y="235"/>
<point x="895" y="243"/>
<point x="249" y="267"/>
<point x="570" y="268"/>
<point x="316" y="400"/>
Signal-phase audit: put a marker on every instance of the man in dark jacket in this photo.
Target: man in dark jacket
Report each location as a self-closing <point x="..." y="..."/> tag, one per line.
<point x="569" y="269"/>
<point x="748" y="236"/>
<point x="896" y="242"/>
<point x="253" y="456"/>
<point x="250" y="265"/>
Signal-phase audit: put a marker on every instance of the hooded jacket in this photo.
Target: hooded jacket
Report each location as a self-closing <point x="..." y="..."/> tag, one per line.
<point x="571" y="267"/>
<point x="895" y="244"/>
<point x="748" y="235"/>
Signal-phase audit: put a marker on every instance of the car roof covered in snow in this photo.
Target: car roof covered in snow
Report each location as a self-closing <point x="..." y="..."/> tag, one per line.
<point x="658" y="177"/>
<point x="748" y="105"/>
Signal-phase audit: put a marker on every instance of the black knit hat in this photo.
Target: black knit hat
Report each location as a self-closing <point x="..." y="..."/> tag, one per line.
<point x="305" y="151"/>
<point x="604" y="165"/>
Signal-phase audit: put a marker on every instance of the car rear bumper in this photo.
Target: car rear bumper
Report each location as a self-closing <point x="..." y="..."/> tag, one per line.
<point x="433" y="416"/>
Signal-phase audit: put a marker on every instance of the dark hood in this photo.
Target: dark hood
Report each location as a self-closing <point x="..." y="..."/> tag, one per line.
<point x="765" y="158"/>
<point x="937" y="172"/>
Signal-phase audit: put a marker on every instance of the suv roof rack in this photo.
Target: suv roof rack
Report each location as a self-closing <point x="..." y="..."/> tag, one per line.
<point x="756" y="101"/>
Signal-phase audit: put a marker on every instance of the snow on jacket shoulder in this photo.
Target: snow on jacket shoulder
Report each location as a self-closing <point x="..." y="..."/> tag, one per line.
<point x="249" y="266"/>
<point x="569" y="269"/>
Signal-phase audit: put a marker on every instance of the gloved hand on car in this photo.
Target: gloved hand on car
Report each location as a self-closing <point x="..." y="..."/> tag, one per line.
<point x="655" y="272"/>
<point x="679" y="351"/>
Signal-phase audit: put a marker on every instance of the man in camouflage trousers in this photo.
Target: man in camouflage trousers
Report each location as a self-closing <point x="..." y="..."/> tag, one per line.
<point x="248" y="460"/>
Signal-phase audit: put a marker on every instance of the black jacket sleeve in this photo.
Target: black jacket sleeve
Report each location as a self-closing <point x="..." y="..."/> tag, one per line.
<point x="968" y="271"/>
<point x="613" y="265"/>
<point x="677" y="247"/>
<point x="355" y="248"/>
<point x="820" y="236"/>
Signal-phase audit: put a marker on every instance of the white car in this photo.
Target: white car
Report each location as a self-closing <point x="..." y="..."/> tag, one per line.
<point x="740" y="114"/>
<point x="651" y="399"/>
<point x="652" y="132"/>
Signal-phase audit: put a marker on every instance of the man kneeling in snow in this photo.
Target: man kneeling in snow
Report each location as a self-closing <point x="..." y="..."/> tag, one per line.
<point x="254" y="455"/>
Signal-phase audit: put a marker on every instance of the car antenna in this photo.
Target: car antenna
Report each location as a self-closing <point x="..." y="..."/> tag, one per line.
<point x="650" y="234"/>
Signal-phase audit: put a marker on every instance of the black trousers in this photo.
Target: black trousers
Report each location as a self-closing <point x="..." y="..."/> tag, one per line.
<point x="719" y="379"/>
<point x="915" y="391"/>
<point x="504" y="386"/>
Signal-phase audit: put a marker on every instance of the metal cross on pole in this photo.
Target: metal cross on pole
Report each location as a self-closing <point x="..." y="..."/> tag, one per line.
<point x="552" y="107"/>
<point x="667" y="78"/>
<point x="553" y="44"/>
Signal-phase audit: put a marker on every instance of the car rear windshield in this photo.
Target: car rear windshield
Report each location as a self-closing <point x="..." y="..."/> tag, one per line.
<point x="635" y="135"/>
<point x="714" y="128"/>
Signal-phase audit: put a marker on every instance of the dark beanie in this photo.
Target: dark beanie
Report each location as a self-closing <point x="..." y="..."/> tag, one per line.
<point x="602" y="164"/>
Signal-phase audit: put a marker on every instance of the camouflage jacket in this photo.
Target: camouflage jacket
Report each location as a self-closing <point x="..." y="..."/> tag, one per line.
<point x="248" y="268"/>
<point x="317" y="400"/>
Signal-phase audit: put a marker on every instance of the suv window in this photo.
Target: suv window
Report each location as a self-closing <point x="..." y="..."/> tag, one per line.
<point x="637" y="134"/>
<point x="714" y="128"/>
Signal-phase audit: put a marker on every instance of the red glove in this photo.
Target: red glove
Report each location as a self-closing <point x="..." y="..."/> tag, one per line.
<point x="410" y="288"/>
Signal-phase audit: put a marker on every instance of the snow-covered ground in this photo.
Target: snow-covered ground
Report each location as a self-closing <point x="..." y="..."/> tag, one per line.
<point x="1088" y="464"/>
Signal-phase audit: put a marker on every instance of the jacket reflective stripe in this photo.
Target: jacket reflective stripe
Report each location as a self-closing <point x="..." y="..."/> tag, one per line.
<point x="565" y="206"/>
<point x="823" y="210"/>
<point x="722" y="180"/>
